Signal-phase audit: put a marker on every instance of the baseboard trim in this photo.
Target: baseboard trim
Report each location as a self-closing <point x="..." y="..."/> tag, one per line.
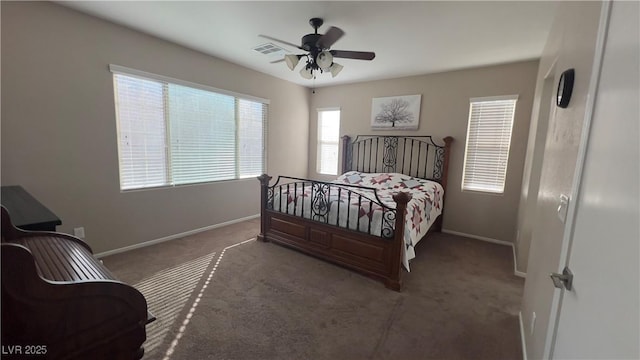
<point x="494" y="241"/>
<point x="515" y="265"/>
<point x="524" y="343"/>
<point x="172" y="237"/>
<point x="478" y="237"/>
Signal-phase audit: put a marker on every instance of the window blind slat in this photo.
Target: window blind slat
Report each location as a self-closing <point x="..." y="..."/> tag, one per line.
<point x="488" y="142"/>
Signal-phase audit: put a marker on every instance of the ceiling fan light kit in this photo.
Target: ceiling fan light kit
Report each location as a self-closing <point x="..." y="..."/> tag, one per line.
<point x="324" y="60"/>
<point x="306" y="72"/>
<point x="292" y="60"/>
<point x="335" y="69"/>
<point x="319" y="56"/>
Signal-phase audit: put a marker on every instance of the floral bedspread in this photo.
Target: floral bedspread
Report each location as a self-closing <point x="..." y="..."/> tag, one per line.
<point x="338" y="205"/>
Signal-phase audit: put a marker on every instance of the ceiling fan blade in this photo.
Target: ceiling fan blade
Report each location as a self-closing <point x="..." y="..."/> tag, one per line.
<point x="276" y="61"/>
<point x="329" y="38"/>
<point x="281" y="41"/>
<point x="360" y="55"/>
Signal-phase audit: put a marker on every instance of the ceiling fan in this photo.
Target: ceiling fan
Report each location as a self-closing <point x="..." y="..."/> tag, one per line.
<point x="319" y="57"/>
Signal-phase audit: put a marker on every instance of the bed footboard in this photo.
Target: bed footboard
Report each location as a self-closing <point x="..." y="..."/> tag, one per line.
<point x="377" y="256"/>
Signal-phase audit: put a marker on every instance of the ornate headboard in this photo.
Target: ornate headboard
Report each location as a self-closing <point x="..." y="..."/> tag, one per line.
<point x="417" y="156"/>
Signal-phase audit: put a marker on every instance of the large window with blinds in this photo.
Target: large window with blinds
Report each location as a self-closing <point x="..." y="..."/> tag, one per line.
<point x="488" y="141"/>
<point x="172" y="133"/>
<point x="328" y="141"/>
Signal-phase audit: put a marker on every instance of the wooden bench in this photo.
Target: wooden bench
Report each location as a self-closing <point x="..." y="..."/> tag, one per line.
<point x="57" y="295"/>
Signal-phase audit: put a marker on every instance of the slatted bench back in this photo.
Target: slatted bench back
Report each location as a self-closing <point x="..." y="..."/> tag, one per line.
<point x="59" y="259"/>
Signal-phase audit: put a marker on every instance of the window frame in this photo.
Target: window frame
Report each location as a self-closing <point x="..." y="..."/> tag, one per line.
<point x="465" y="168"/>
<point x="319" y="142"/>
<point x="143" y="75"/>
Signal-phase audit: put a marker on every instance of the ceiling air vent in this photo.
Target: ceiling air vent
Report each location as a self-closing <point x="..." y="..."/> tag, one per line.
<point x="274" y="52"/>
<point x="269" y="49"/>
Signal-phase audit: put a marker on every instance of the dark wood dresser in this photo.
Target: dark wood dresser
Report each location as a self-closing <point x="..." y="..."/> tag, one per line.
<point x="26" y="212"/>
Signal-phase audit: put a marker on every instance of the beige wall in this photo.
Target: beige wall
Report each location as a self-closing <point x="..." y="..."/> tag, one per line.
<point x="571" y="44"/>
<point x="59" y="130"/>
<point x="444" y="112"/>
<point x="542" y="106"/>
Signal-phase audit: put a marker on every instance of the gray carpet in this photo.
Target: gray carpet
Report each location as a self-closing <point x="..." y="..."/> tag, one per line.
<point x="263" y="301"/>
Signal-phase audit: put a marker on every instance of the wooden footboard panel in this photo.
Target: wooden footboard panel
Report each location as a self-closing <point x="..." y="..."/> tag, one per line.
<point x="375" y="256"/>
<point x="370" y="255"/>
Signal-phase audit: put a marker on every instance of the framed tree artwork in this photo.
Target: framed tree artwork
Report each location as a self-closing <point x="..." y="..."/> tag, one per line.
<point x="395" y="112"/>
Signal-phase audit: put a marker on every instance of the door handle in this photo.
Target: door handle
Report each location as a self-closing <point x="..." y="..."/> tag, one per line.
<point x="564" y="280"/>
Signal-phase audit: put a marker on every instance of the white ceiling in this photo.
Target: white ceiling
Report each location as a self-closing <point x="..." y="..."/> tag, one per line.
<point x="409" y="38"/>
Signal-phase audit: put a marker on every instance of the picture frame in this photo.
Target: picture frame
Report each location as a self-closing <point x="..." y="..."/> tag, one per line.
<point x="396" y="112"/>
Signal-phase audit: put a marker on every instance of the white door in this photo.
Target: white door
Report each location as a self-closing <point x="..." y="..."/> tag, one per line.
<point x="573" y="45"/>
<point x="599" y="318"/>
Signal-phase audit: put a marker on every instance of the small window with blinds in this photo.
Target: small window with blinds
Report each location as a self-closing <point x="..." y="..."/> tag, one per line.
<point x="174" y="133"/>
<point x="328" y="140"/>
<point x="488" y="141"/>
